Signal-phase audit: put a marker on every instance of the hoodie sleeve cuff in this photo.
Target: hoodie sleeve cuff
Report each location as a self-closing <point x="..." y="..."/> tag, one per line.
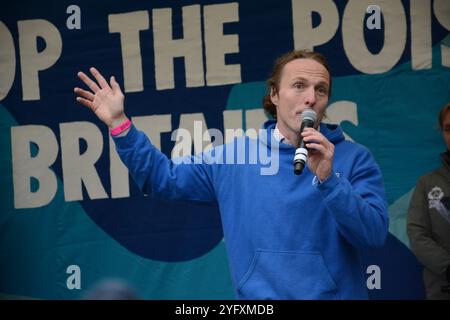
<point x="328" y="185"/>
<point x="128" y="139"/>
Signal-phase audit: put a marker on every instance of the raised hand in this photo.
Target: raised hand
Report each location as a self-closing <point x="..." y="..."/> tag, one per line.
<point x="105" y="99"/>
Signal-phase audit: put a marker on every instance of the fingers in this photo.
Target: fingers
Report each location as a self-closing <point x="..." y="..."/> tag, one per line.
<point x="309" y="131"/>
<point x="311" y="135"/>
<point x="317" y="142"/>
<point x="85" y="94"/>
<point x="85" y="102"/>
<point x="101" y="81"/>
<point x="316" y="147"/>
<point x="114" y="85"/>
<point x="91" y="84"/>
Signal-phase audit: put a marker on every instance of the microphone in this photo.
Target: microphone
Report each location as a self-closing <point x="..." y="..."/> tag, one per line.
<point x="308" y="120"/>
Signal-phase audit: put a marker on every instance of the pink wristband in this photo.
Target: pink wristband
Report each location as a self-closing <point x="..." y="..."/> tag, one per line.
<point x="121" y="127"/>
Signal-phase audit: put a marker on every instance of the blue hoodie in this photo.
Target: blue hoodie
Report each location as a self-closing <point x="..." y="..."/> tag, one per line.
<point x="287" y="236"/>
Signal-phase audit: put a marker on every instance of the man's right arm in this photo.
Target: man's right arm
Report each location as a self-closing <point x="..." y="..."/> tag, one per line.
<point x="154" y="173"/>
<point x="159" y="176"/>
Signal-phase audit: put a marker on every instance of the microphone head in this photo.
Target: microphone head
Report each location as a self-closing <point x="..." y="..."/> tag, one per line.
<point x="309" y="115"/>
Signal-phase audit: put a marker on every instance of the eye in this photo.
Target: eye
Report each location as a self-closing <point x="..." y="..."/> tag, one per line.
<point x="299" y="85"/>
<point x="322" y="90"/>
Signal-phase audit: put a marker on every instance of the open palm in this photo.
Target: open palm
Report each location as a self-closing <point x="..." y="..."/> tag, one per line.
<point x="105" y="99"/>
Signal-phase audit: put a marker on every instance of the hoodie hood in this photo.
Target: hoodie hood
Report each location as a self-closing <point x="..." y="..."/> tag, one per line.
<point x="332" y="132"/>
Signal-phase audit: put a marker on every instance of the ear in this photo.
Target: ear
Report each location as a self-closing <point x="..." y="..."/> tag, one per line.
<point x="274" y="96"/>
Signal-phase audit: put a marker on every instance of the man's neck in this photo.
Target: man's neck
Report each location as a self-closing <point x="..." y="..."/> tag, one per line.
<point x="289" y="137"/>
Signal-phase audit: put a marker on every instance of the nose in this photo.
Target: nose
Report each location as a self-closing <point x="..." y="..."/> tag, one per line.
<point x="310" y="97"/>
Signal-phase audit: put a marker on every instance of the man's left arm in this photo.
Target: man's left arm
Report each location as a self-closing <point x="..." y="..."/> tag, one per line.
<point x="358" y="203"/>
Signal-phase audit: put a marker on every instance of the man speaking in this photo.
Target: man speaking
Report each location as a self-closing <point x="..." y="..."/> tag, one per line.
<point x="288" y="236"/>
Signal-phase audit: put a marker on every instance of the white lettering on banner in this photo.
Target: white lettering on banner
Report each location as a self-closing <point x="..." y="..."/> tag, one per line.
<point x="394" y="35"/>
<point x="343" y="111"/>
<point x="80" y="168"/>
<point x="166" y="48"/>
<point x="26" y="166"/>
<point x="217" y="44"/>
<point x="31" y="60"/>
<point x="442" y="12"/>
<point x="120" y="187"/>
<point x="128" y="25"/>
<point x="307" y="37"/>
<point x="190" y="47"/>
<point x="421" y="53"/>
<point x="7" y="61"/>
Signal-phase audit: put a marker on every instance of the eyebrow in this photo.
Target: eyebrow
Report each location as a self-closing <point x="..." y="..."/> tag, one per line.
<point x="306" y="80"/>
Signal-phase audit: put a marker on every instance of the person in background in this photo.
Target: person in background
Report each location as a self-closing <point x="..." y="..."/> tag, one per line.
<point x="428" y="221"/>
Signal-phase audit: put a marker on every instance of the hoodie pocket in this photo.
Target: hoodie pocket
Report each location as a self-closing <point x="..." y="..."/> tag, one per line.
<point x="287" y="275"/>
